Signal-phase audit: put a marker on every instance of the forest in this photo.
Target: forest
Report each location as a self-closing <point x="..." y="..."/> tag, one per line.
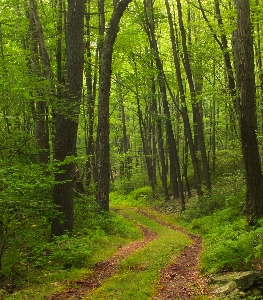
<point x="130" y="148"/>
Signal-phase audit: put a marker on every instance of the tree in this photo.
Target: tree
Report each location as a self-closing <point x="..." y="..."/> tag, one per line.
<point x="103" y="130"/>
<point x="183" y="109"/>
<point x="195" y="102"/>
<point x="244" y="65"/>
<point x="66" y="118"/>
<point x="41" y="124"/>
<point x="175" y="174"/>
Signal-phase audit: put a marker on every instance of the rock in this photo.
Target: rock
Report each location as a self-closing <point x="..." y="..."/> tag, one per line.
<point x="233" y="285"/>
<point x="226" y="288"/>
<point x="243" y="280"/>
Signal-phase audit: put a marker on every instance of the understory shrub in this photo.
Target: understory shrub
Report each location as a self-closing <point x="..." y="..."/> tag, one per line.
<point x="136" y="198"/>
<point x="26" y="208"/>
<point x="229" y="192"/>
<point x="229" y="243"/>
<point x="88" y="220"/>
<point x="126" y="185"/>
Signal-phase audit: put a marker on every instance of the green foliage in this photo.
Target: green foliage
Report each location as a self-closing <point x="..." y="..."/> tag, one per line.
<point x="229" y="243"/>
<point x="89" y="221"/>
<point x="228" y="192"/>
<point x="63" y="253"/>
<point x="25" y="210"/>
<point x="95" y="237"/>
<point x="126" y="185"/>
<point x="137" y="198"/>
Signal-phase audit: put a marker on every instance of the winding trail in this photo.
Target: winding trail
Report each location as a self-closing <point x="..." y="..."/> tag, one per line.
<point x="180" y="280"/>
<point x="104" y="270"/>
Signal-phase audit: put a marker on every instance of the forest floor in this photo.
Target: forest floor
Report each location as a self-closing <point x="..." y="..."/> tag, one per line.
<point x="179" y="280"/>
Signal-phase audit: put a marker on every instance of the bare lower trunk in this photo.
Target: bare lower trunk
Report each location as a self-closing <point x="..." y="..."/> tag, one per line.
<point x="67" y="119"/>
<point x="244" y="64"/>
<point x="103" y="131"/>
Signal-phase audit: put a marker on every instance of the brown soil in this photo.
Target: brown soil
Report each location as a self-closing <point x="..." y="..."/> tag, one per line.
<point x="181" y="280"/>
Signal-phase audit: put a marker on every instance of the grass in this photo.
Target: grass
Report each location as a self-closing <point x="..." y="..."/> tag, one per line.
<point x="137" y="277"/>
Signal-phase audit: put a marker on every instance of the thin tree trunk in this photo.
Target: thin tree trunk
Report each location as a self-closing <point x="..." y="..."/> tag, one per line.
<point x="260" y="68"/>
<point x="184" y="110"/>
<point x="91" y="83"/>
<point x="185" y="167"/>
<point x="163" y="168"/>
<point x="41" y="130"/>
<point x="196" y="108"/>
<point x="125" y="167"/>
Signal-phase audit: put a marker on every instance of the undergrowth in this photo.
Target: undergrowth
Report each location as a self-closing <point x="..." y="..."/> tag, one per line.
<point x="139" y="197"/>
<point x="96" y="237"/>
<point x="229" y="243"/>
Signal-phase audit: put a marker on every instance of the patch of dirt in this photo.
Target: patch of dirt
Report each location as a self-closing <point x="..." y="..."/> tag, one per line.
<point x="182" y="280"/>
<point x="103" y="270"/>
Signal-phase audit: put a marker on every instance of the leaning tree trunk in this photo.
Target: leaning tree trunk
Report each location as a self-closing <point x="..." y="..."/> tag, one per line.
<point x="67" y="113"/>
<point x="41" y="122"/>
<point x="103" y="131"/>
<point x="244" y="64"/>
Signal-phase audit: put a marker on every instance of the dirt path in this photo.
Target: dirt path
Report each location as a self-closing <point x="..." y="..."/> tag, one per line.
<point x="180" y="280"/>
<point x="104" y="270"/>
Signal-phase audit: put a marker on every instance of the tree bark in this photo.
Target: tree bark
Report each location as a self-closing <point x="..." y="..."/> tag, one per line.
<point x="260" y="66"/>
<point x="91" y="84"/>
<point x="244" y="65"/>
<point x="67" y="113"/>
<point x="103" y="147"/>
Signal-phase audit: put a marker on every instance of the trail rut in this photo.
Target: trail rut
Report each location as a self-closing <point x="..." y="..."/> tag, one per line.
<point x="180" y="280"/>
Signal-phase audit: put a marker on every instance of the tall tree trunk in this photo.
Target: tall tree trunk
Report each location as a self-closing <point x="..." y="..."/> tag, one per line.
<point x="41" y="122"/>
<point x="244" y="64"/>
<point x="91" y="84"/>
<point x="184" y="110"/>
<point x="67" y="113"/>
<point x="185" y="166"/>
<point x="160" y="144"/>
<point x="125" y="168"/>
<point x="175" y="173"/>
<point x="223" y="44"/>
<point x="103" y="147"/>
<point x="196" y="108"/>
<point x="260" y="67"/>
